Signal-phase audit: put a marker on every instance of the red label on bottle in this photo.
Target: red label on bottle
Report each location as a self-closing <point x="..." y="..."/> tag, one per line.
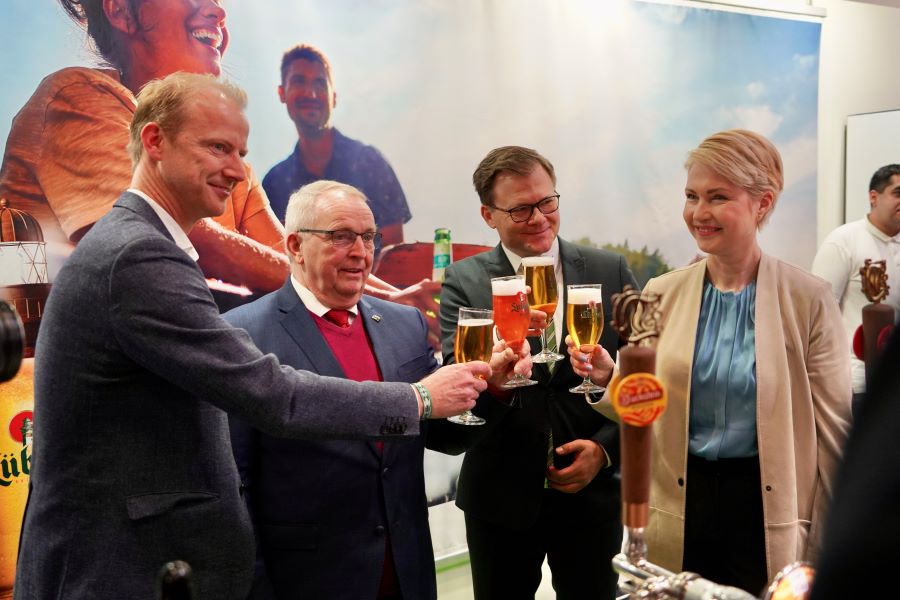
<point x="15" y="425"/>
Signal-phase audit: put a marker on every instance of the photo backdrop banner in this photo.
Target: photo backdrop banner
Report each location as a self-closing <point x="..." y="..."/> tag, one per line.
<point x="614" y="93"/>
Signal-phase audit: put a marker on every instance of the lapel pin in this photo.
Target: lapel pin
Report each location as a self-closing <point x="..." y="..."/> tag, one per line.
<point x="376" y="318"/>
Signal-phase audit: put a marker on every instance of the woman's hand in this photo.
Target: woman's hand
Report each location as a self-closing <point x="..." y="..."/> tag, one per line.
<point x="598" y="364"/>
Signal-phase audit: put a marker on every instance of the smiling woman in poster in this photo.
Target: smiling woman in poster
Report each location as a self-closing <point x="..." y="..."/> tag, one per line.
<point x="755" y="363"/>
<point x="66" y="162"/>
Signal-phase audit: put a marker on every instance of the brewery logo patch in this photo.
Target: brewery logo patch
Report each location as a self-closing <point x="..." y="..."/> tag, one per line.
<point x="638" y="398"/>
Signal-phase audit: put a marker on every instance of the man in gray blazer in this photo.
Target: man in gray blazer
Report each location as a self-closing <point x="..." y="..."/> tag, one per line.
<point x="368" y="515"/>
<point x="135" y="370"/>
<point x="540" y="482"/>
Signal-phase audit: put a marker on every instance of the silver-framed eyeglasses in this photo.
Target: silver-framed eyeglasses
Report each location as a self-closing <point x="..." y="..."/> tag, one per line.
<point x="522" y="213"/>
<point x="344" y="238"/>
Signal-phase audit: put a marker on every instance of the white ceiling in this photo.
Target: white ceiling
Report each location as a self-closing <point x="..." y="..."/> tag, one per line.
<point x="894" y="3"/>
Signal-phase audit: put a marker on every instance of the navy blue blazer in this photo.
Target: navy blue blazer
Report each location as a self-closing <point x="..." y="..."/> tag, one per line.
<point x="322" y="508"/>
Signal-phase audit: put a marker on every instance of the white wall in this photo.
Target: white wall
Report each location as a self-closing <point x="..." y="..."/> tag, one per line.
<point x="857" y="74"/>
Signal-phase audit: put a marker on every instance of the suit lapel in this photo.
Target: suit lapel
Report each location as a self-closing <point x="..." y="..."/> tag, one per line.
<point x="497" y="265"/>
<point x="136" y="204"/>
<point x="299" y="324"/>
<point x="379" y="332"/>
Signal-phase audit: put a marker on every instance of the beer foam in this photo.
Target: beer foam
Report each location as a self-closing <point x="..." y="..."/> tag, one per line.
<point x="475" y="322"/>
<point x="508" y="287"/>
<point x="584" y="295"/>
<point x="537" y="261"/>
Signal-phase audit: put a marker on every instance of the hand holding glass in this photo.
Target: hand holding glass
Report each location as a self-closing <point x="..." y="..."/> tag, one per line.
<point x="512" y="317"/>
<point x="584" y="319"/>
<point x="543" y="296"/>
<point x="474" y="341"/>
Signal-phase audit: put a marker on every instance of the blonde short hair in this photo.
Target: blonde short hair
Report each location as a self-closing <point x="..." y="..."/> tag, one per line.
<point x="163" y="101"/>
<point x="745" y="158"/>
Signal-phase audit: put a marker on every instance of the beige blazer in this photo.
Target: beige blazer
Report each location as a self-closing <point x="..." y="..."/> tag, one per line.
<point x="802" y="410"/>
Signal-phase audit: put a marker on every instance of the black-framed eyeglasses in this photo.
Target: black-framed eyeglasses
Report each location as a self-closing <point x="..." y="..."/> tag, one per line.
<point x="344" y="238"/>
<point x="522" y="213"/>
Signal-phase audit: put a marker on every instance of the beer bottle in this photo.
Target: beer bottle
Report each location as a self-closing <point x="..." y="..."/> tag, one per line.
<point x="443" y="254"/>
<point x="175" y="582"/>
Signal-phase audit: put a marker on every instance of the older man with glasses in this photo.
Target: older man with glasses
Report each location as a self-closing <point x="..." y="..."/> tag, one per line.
<point x="540" y="482"/>
<point x="341" y="519"/>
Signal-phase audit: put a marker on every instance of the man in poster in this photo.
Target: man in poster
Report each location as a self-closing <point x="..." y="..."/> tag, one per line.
<point x="323" y="152"/>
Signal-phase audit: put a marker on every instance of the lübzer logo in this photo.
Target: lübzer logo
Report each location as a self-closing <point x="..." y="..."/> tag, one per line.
<point x="522" y="304"/>
<point x="17" y="464"/>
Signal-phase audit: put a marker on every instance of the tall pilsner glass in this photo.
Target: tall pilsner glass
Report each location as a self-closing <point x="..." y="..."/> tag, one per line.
<point x="541" y="278"/>
<point x="512" y="317"/>
<point x="584" y="318"/>
<point x="474" y="341"/>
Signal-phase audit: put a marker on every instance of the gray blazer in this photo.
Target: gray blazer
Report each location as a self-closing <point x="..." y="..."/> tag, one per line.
<point x="132" y="461"/>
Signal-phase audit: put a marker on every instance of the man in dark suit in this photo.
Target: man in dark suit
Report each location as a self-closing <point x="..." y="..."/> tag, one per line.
<point x="135" y="368"/>
<point x="368" y="515"/>
<point x="540" y="482"/>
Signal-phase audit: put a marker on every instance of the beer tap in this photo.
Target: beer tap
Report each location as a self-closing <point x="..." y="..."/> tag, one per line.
<point x="639" y="398"/>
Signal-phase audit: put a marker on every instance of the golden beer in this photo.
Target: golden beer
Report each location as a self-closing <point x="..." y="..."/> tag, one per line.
<point x="474" y="340"/>
<point x="540" y="275"/>
<point x="584" y="316"/>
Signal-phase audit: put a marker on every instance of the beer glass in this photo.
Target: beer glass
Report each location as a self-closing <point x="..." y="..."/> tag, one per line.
<point x="474" y="341"/>
<point x="584" y="319"/>
<point x="540" y="276"/>
<point x="512" y="317"/>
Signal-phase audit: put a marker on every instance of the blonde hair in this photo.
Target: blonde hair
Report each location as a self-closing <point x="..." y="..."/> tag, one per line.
<point x="163" y="101"/>
<point x="745" y="158"/>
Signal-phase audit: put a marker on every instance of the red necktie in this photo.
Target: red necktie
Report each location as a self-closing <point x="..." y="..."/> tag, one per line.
<point x="339" y="317"/>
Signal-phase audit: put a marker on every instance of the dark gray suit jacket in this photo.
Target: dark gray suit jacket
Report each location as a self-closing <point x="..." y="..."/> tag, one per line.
<point x="502" y="475"/>
<point x="322" y="508"/>
<point x="132" y="460"/>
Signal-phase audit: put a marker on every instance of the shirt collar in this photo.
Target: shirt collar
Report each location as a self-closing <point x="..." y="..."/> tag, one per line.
<point x="177" y="233"/>
<point x="515" y="260"/>
<point x="879" y="234"/>
<point x="311" y="302"/>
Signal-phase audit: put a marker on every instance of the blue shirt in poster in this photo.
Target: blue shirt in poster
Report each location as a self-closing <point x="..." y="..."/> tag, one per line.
<point x="352" y="162"/>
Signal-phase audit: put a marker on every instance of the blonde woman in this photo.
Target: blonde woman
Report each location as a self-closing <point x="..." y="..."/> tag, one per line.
<point x="755" y="361"/>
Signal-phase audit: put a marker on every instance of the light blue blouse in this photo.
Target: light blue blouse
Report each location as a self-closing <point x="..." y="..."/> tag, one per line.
<point x="723" y="382"/>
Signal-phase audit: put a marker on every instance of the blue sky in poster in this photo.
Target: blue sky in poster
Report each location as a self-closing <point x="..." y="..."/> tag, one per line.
<point x="614" y="93"/>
